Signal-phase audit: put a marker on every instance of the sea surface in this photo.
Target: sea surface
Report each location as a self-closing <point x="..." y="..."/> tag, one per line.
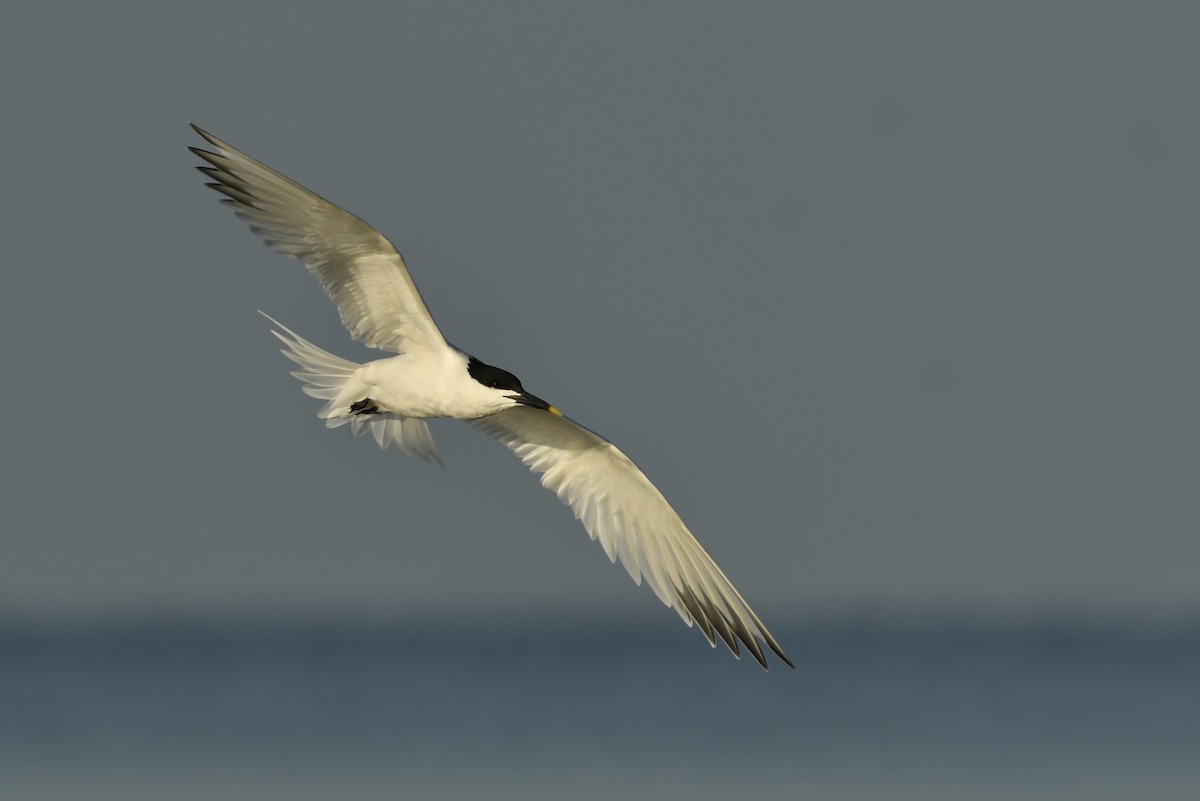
<point x="186" y="710"/>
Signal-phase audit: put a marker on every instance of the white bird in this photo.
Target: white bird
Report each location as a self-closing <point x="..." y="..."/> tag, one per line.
<point x="428" y="377"/>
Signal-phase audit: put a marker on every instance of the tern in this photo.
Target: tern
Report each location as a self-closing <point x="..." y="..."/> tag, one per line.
<point x="427" y="377"/>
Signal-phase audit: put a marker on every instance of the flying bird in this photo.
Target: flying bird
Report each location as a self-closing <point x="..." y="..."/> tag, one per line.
<point x="426" y="376"/>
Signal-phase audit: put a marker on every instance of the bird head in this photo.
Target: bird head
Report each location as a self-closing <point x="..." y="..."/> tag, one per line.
<point x="507" y="385"/>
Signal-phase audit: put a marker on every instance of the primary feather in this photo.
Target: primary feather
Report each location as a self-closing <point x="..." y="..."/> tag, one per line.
<point x="633" y="522"/>
<point x="362" y="271"/>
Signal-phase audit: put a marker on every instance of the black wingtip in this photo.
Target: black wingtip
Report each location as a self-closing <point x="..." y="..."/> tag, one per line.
<point x="762" y="659"/>
<point x="779" y="653"/>
<point x="207" y="137"/>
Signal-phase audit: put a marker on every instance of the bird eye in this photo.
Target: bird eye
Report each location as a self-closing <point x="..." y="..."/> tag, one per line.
<point x="505" y="380"/>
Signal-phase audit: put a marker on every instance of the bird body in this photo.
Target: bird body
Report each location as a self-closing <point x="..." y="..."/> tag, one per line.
<point x="427" y="377"/>
<point x="424" y="384"/>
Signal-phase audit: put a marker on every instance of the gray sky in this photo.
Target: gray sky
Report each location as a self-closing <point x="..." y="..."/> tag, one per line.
<point x="896" y="302"/>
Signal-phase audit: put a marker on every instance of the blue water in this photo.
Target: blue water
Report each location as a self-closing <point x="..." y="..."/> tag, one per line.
<point x="334" y="710"/>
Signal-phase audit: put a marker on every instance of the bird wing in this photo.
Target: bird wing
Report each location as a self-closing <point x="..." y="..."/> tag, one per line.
<point x="361" y="270"/>
<point x="619" y="506"/>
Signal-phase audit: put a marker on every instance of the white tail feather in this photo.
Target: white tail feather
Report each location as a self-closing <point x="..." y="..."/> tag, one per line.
<point x="326" y="377"/>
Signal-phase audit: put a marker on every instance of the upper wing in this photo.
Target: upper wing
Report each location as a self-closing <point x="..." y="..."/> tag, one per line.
<point x="632" y="520"/>
<point x="359" y="268"/>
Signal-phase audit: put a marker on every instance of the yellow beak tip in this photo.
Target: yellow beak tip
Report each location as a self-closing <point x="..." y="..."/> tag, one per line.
<point x="554" y="410"/>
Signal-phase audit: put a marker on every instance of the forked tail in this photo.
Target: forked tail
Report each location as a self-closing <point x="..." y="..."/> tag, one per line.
<point x="328" y="377"/>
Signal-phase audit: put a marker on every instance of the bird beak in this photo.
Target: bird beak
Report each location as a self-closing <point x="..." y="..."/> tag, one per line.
<point x="530" y="400"/>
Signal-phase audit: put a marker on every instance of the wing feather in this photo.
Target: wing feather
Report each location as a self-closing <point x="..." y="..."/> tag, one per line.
<point x="633" y="522"/>
<point x="361" y="271"/>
